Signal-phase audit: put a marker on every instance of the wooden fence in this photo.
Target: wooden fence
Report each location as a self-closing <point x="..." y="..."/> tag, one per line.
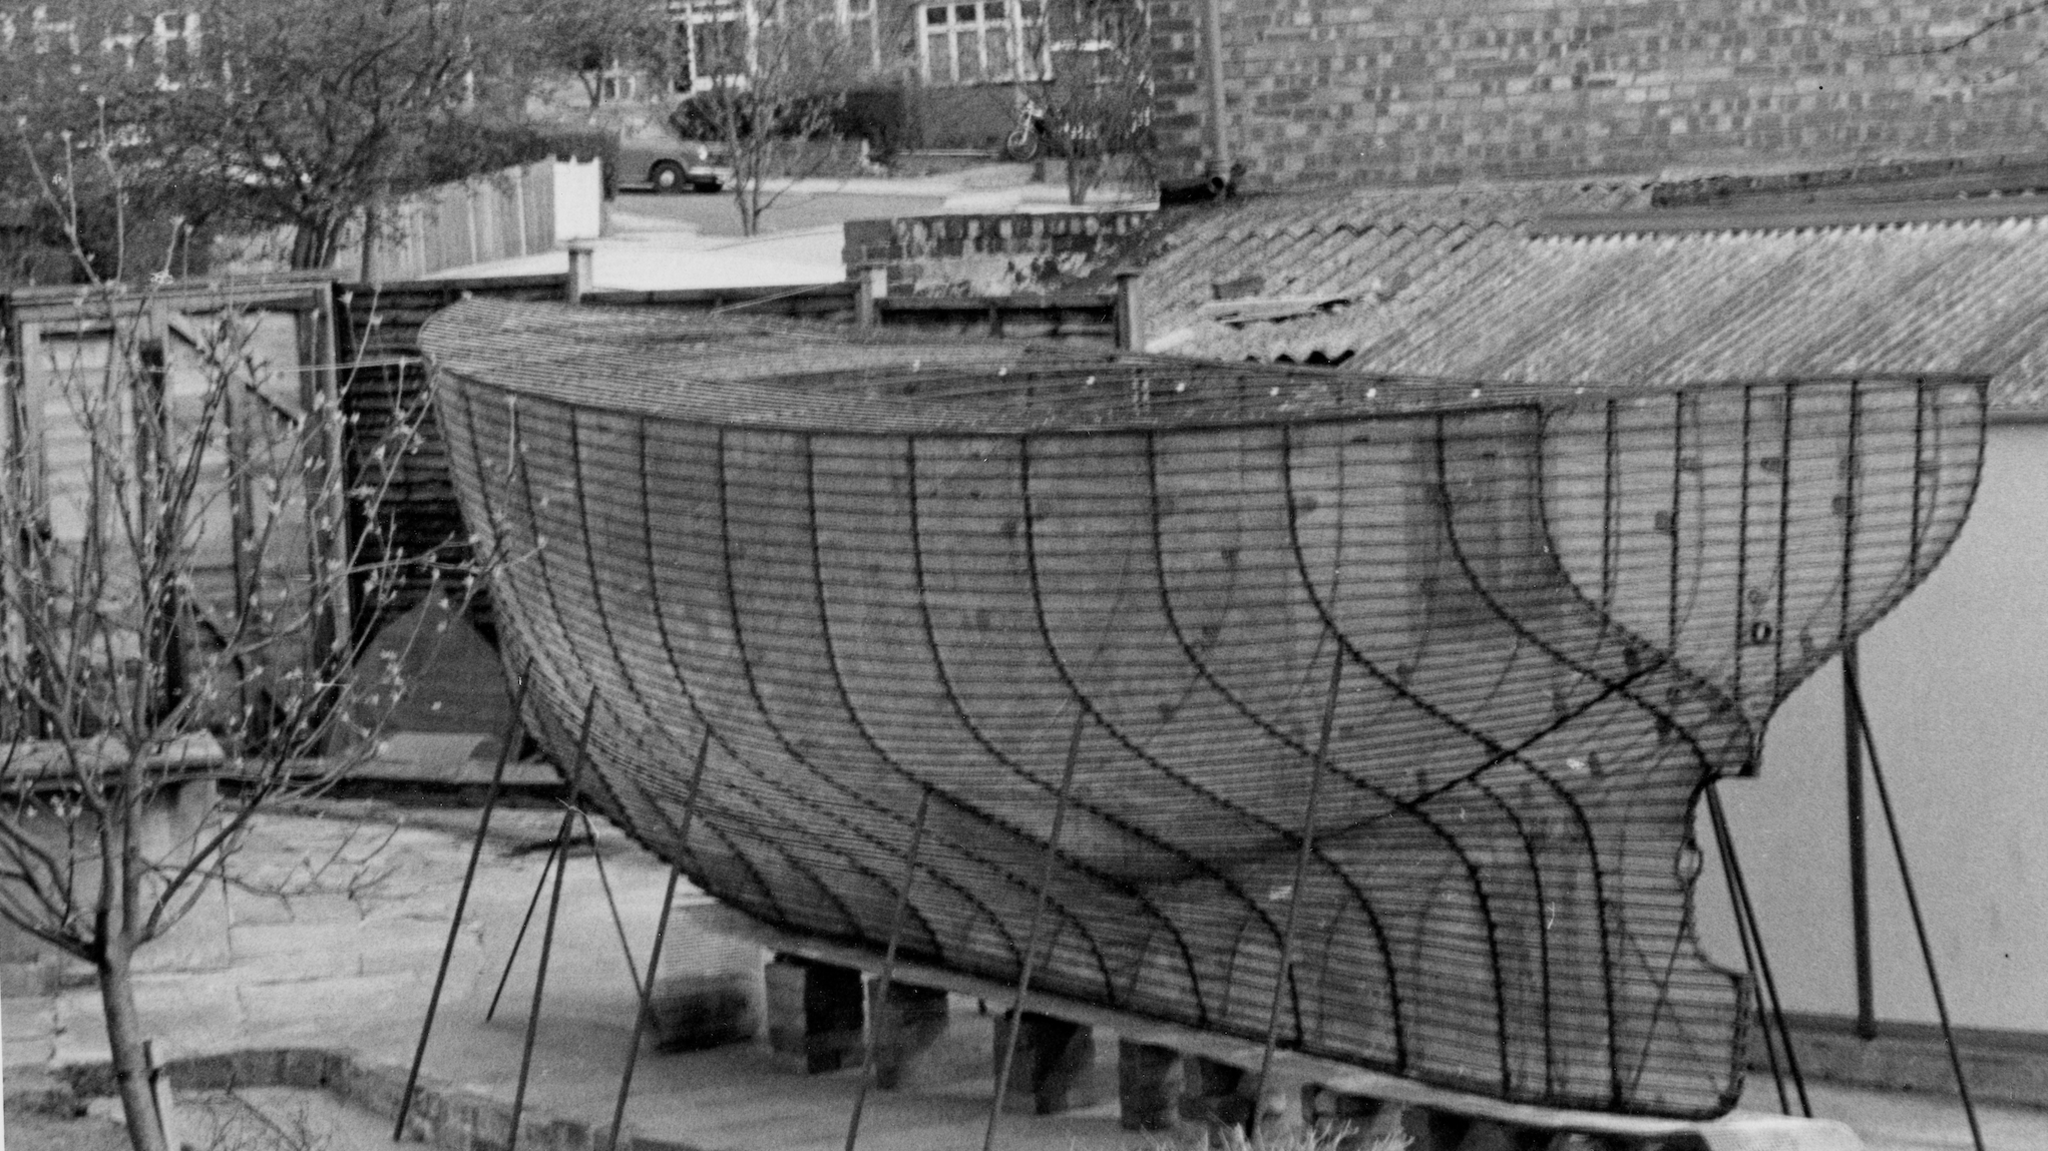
<point x="504" y="215"/>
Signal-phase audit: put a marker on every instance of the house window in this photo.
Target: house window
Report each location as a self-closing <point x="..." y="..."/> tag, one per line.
<point x="122" y="45"/>
<point x="858" y="18"/>
<point x="710" y="42"/>
<point x="47" y="35"/>
<point x="617" y="85"/>
<point x="176" y="37"/>
<point x="983" y="41"/>
<point x="711" y="35"/>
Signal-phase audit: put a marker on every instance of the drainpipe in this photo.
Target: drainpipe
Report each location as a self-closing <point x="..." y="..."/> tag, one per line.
<point x="1219" y="145"/>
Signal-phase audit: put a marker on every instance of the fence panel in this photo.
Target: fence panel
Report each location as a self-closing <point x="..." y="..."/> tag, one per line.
<point x="504" y="215"/>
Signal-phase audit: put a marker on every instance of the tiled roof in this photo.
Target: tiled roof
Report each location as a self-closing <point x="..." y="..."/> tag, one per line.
<point x="1953" y="295"/>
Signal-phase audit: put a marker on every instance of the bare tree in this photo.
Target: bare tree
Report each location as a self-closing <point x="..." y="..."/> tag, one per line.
<point x="594" y="39"/>
<point x="174" y="603"/>
<point x="1086" y="85"/>
<point x="774" y="87"/>
<point x="271" y="114"/>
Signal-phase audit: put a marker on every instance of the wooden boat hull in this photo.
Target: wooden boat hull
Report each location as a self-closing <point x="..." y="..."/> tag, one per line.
<point x="1407" y="689"/>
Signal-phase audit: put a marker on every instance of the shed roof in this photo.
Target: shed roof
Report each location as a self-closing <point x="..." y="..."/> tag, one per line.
<point x="1727" y="297"/>
<point x="1361" y="246"/>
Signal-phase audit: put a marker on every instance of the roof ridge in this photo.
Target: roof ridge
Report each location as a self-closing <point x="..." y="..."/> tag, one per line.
<point x="1805" y="217"/>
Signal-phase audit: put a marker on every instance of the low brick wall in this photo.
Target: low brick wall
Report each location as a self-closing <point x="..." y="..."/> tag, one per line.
<point x="1007" y="255"/>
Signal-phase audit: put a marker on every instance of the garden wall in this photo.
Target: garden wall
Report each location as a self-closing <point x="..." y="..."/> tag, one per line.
<point x="1003" y="255"/>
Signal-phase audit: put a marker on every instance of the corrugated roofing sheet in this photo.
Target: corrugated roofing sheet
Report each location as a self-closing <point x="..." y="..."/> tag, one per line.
<point x="1965" y="296"/>
<point x="1368" y="245"/>
<point x="1456" y="284"/>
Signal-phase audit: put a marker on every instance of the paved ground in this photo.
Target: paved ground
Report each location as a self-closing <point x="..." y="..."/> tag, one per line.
<point x="346" y="961"/>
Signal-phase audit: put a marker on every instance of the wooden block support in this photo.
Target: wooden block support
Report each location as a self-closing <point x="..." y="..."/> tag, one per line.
<point x="814" y="1015"/>
<point x="1486" y="1135"/>
<point x="1050" y="1072"/>
<point x="907" y="1021"/>
<point x="698" y="1011"/>
<point x="1212" y="1094"/>
<point x="1368" y="1098"/>
<point x="1149" y="1082"/>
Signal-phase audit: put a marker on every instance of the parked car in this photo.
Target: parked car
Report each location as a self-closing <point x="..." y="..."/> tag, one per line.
<point x="668" y="164"/>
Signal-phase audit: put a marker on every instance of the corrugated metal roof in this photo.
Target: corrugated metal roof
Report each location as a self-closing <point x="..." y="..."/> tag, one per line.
<point x="1966" y="295"/>
<point x="1370" y="246"/>
<point x="1963" y="296"/>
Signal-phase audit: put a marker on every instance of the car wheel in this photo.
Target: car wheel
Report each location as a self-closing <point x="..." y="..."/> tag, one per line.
<point x="667" y="176"/>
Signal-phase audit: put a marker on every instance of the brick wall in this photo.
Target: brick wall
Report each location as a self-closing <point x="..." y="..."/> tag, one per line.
<point x="1324" y="91"/>
<point x="992" y="255"/>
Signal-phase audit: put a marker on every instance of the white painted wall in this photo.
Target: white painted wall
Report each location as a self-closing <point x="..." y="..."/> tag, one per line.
<point x="1956" y="680"/>
<point x="579" y="200"/>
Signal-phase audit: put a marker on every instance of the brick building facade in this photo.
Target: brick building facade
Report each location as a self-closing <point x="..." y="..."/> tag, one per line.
<point x="1326" y="91"/>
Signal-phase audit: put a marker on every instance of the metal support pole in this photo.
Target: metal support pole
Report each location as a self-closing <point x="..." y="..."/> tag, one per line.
<point x="1052" y="842"/>
<point x="476" y="850"/>
<point x="547" y="938"/>
<point x="1726" y="848"/>
<point x="1738" y="891"/>
<point x="1891" y="821"/>
<point x="519" y="939"/>
<point x="1859" y="860"/>
<point x="888" y="976"/>
<point x="668" y="902"/>
<point x="1316" y="767"/>
<point x="611" y="901"/>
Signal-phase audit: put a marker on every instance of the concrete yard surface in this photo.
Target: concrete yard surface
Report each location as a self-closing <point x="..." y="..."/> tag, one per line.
<point x="343" y="960"/>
